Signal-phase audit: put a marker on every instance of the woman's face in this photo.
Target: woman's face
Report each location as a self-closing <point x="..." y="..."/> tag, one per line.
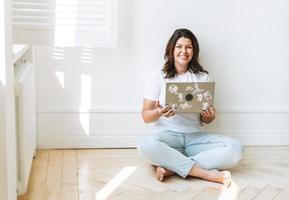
<point x="183" y="52"/>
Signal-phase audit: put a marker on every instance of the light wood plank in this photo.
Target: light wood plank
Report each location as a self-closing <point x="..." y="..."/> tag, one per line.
<point x="69" y="168"/>
<point x="269" y="193"/>
<point x="54" y="172"/>
<point x="82" y="174"/>
<point x="249" y="193"/>
<point x="23" y="197"/>
<point x="131" y="195"/>
<point x="208" y="194"/>
<point x="167" y="194"/>
<point x="188" y="194"/>
<point x="284" y="194"/>
<point x="37" y="182"/>
<point x="68" y="192"/>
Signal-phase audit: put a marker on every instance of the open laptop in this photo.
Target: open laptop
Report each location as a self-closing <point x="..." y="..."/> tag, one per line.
<point x="188" y="97"/>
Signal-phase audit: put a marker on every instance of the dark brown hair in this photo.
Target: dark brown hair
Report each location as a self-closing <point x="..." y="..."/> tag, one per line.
<point x="194" y="66"/>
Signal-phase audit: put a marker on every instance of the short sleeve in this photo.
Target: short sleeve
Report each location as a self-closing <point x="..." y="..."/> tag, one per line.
<point x="205" y="77"/>
<point x="152" y="87"/>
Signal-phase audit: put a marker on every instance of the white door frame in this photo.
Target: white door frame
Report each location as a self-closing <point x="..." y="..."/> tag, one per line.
<point x="8" y="173"/>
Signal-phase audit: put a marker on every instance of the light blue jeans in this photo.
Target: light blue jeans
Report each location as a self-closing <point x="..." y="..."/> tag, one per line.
<point x="179" y="152"/>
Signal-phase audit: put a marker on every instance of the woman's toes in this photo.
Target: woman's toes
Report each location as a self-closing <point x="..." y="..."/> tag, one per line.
<point x="160" y="172"/>
<point x="227" y="178"/>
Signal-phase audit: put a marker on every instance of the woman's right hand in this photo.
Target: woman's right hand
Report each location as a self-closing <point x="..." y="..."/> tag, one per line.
<point x="152" y="111"/>
<point x="166" y="111"/>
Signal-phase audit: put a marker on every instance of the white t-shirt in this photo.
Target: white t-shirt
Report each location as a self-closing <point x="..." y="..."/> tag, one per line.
<point x="155" y="91"/>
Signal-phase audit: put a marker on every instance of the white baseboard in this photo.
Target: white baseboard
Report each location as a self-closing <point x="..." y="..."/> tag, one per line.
<point x="130" y="141"/>
<point x="255" y="137"/>
<point x="119" y="109"/>
<point x="121" y="127"/>
<point x="263" y="140"/>
<point x="87" y="142"/>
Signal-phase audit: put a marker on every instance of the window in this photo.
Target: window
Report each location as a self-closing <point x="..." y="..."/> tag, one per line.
<point x="66" y="23"/>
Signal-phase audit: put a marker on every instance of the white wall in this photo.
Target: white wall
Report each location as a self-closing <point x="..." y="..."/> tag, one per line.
<point x="7" y="114"/>
<point x="243" y="44"/>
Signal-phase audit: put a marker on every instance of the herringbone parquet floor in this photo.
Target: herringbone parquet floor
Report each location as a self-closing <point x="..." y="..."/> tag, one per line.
<point x="94" y="174"/>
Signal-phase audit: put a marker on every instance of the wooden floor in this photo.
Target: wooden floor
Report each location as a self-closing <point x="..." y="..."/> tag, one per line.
<point x="95" y="174"/>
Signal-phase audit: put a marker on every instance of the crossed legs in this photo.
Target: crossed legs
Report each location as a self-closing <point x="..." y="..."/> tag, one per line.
<point x="199" y="155"/>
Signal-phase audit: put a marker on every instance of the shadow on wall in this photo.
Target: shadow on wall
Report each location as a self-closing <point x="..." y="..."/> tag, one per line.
<point x="86" y="57"/>
<point x="78" y="80"/>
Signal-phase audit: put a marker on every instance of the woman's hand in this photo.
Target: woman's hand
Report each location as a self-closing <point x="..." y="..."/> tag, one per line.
<point x="166" y="111"/>
<point x="207" y="116"/>
<point x="152" y="111"/>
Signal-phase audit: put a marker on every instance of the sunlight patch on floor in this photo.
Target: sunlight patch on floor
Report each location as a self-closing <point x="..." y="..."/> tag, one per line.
<point x="229" y="193"/>
<point x="114" y="183"/>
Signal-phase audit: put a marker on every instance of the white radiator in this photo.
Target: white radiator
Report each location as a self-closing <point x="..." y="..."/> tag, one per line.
<point x="25" y="122"/>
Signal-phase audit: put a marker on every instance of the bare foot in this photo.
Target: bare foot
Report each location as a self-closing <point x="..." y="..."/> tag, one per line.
<point x="212" y="175"/>
<point x="161" y="173"/>
<point x="220" y="177"/>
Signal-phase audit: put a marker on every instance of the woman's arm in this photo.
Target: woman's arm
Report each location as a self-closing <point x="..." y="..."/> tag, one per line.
<point x="207" y="116"/>
<point x="152" y="111"/>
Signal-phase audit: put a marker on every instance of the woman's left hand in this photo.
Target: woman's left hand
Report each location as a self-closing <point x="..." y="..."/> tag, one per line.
<point x="207" y="116"/>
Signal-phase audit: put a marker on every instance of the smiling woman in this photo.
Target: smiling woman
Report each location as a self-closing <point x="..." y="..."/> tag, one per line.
<point x="183" y="54"/>
<point x="179" y="144"/>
